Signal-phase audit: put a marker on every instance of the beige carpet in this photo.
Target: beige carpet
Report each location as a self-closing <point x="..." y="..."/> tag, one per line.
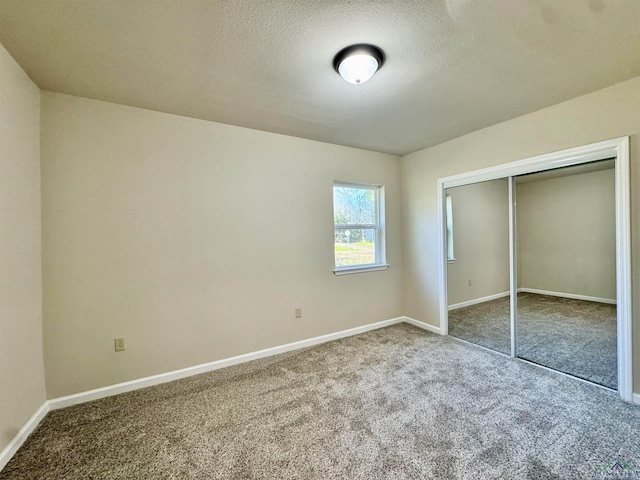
<point x="396" y="403"/>
<point x="573" y="336"/>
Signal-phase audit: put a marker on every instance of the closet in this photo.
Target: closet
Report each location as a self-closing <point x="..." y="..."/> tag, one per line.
<point x="536" y="261"/>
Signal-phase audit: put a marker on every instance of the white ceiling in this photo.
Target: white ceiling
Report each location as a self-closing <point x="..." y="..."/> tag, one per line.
<point x="452" y="66"/>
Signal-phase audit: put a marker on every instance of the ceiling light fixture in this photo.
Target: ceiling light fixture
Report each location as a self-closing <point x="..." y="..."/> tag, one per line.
<point x="357" y="63"/>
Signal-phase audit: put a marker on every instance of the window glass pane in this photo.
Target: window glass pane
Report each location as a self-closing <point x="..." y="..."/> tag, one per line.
<point x="449" y="229"/>
<point x="354" y="206"/>
<point x="355" y="246"/>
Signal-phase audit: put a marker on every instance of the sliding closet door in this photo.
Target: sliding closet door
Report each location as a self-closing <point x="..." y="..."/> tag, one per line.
<point x="477" y="218"/>
<point x="566" y="254"/>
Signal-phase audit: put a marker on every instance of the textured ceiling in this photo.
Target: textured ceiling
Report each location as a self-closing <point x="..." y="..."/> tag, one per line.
<point x="452" y="66"/>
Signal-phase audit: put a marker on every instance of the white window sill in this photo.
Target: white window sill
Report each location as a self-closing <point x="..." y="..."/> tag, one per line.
<point x="369" y="268"/>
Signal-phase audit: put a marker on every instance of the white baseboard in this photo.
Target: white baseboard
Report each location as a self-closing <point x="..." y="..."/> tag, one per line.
<point x="636" y="398"/>
<point x="9" y="451"/>
<point x="61" y="402"/>
<point x="475" y="301"/>
<point x="116" y="389"/>
<point x="422" y="325"/>
<point x="488" y="298"/>
<point x="82" y="397"/>
<point x="568" y="295"/>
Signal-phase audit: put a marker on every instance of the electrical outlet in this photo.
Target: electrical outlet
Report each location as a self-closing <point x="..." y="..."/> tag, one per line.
<point x="119" y="343"/>
<point x="298" y="312"/>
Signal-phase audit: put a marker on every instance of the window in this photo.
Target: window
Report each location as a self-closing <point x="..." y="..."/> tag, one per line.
<point x="449" y="216"/>
<point x="358" y="227"/>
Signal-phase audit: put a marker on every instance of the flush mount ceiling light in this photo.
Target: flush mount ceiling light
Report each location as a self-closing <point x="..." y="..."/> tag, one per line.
<point x="357" y="63"/>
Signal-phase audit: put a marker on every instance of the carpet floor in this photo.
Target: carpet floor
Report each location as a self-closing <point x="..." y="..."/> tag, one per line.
<point x="573" y="336"/>
<point x="395" y="403"/>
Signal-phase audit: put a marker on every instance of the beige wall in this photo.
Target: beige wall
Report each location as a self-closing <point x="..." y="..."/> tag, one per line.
<point x="21" y="371"/>
<point x="567" y="234"/>
<point x="481" y="241"/>
<point x="602" y="115"/>
<point x="194" y="240"/>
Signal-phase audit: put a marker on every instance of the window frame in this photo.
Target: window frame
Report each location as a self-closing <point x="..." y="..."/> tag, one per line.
<point x="378" y="228"/>
<point x="449" y="230"/>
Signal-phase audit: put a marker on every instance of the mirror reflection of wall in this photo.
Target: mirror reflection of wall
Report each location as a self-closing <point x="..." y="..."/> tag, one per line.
<point x="566" y="270"/>
<point x="478" y="278"/>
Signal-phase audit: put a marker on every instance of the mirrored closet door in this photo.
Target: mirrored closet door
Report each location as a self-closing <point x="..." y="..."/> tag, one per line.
<point x="566" y="254"/>
<point x="536" y="261"/>
<point x="478" y="263"/>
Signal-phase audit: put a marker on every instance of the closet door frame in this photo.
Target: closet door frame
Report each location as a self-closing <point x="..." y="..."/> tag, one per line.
<point x="618" y="148"/>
